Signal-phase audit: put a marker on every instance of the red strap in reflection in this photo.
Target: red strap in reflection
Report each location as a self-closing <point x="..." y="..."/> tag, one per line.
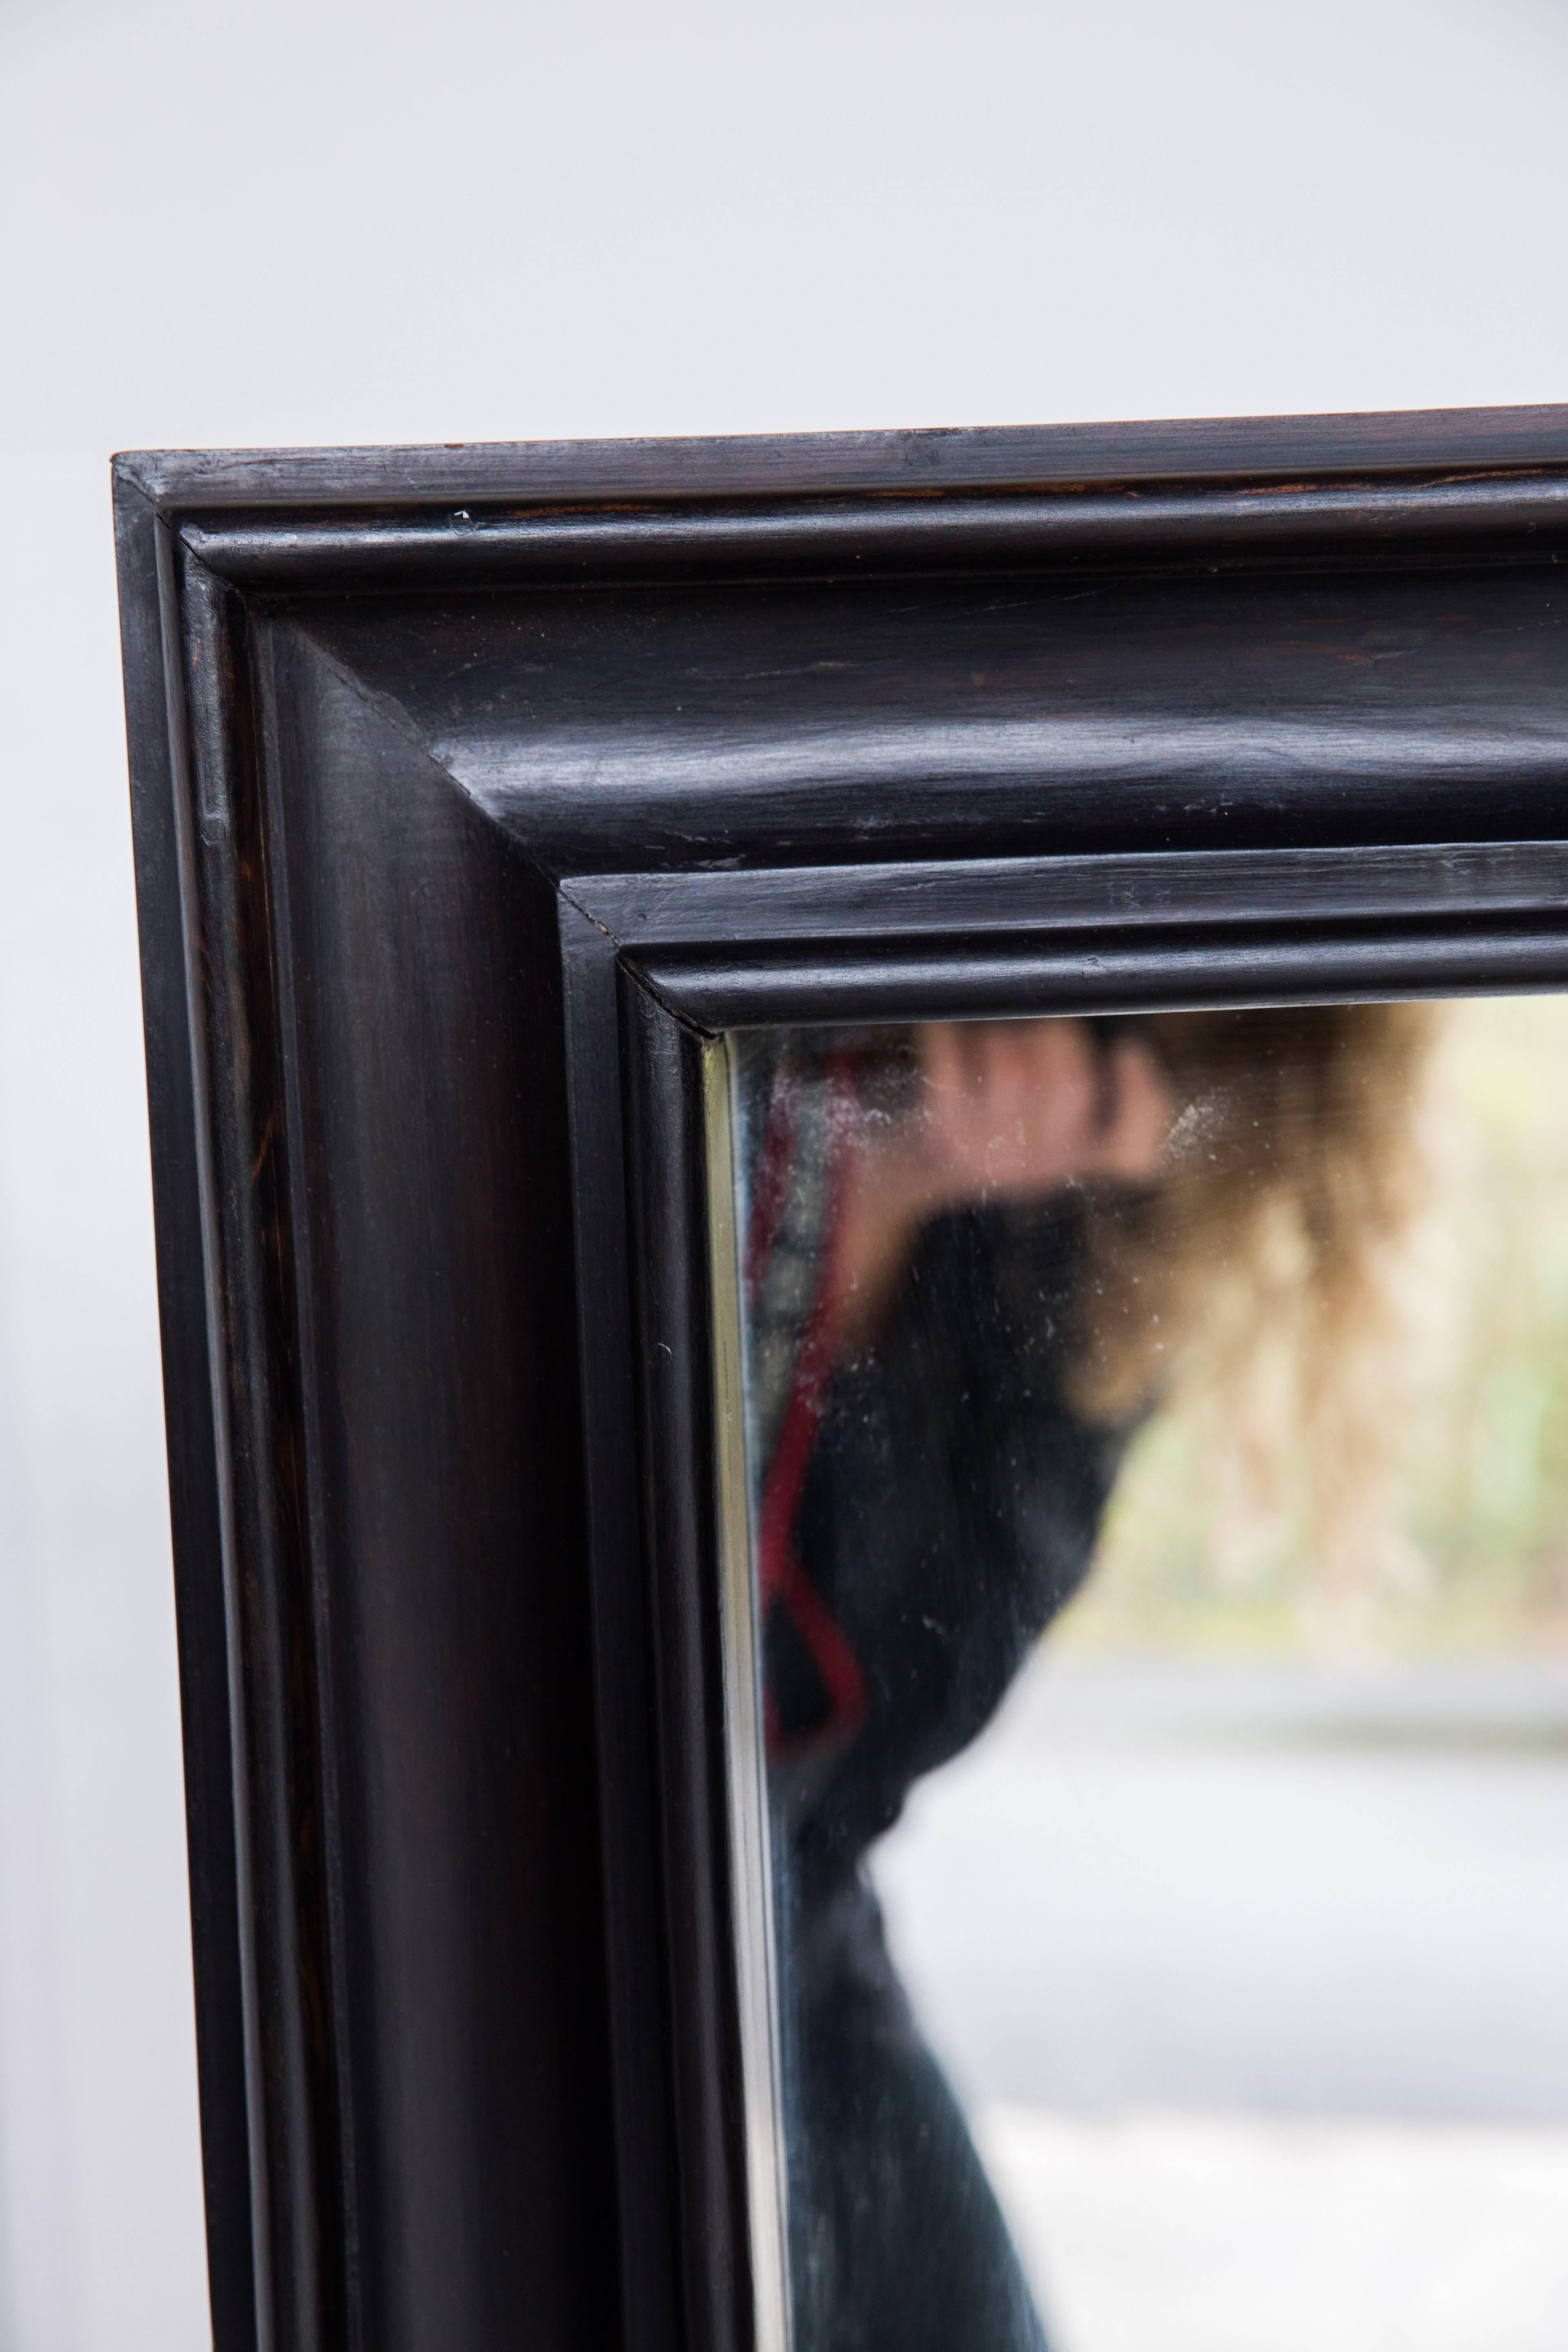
<point x="782" y="1580"/>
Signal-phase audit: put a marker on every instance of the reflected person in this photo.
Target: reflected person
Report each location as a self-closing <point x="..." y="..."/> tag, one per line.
<point x="971" y="1250"/>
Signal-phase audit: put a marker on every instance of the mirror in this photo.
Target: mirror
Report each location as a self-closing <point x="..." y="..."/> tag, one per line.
<point x="1157" y="1440"/>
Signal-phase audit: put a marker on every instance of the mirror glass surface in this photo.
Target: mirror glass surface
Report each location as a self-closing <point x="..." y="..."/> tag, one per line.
<point x="1157" y="1444"/>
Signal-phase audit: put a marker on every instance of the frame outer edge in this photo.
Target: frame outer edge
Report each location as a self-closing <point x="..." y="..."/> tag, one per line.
<point x="194" y="1501"/>
<point x="997" y="455"/>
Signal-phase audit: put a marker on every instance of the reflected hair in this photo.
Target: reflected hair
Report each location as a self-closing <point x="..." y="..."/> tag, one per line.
<point x="1259" y="1276"/>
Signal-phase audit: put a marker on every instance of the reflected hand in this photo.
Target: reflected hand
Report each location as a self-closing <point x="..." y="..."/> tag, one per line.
<point x="1014" y="1108"/>
<point x="1007" y="1111"/>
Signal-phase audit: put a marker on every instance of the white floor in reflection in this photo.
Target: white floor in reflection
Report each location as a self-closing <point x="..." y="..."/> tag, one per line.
<point x="1210" y="2233"/>
<point x="1255" y="1980"/>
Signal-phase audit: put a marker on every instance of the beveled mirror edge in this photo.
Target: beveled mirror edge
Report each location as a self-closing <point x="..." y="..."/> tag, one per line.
<point x="751" y="1871"/>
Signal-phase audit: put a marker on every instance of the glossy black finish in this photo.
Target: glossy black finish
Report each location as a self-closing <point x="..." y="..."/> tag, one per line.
<point x="472" y="787"/>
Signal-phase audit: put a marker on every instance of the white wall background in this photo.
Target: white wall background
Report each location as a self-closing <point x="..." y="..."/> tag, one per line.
<point x="237" y="223"/>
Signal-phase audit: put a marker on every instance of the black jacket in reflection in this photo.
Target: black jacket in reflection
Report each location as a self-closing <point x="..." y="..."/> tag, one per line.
<point x="950" y="1509"/>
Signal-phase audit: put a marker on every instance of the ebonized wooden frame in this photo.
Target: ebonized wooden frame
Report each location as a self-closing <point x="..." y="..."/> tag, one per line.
<point x="477" y="791"/>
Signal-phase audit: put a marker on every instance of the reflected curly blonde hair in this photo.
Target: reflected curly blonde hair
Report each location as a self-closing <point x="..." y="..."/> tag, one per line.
<point x="1262" y="1268"/>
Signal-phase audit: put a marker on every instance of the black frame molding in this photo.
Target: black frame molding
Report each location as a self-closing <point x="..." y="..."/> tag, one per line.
<point x="476" y="792"/>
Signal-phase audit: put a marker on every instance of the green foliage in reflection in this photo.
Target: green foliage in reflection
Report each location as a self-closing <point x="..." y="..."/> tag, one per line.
<point x="1469" y="1546"/>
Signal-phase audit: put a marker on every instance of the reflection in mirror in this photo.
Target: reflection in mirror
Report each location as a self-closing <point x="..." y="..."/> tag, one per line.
<point x="1158" y="1447"/>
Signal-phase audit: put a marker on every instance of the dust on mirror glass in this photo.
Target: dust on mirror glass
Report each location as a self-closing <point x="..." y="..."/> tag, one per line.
<point x="1157" y="1434"/>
